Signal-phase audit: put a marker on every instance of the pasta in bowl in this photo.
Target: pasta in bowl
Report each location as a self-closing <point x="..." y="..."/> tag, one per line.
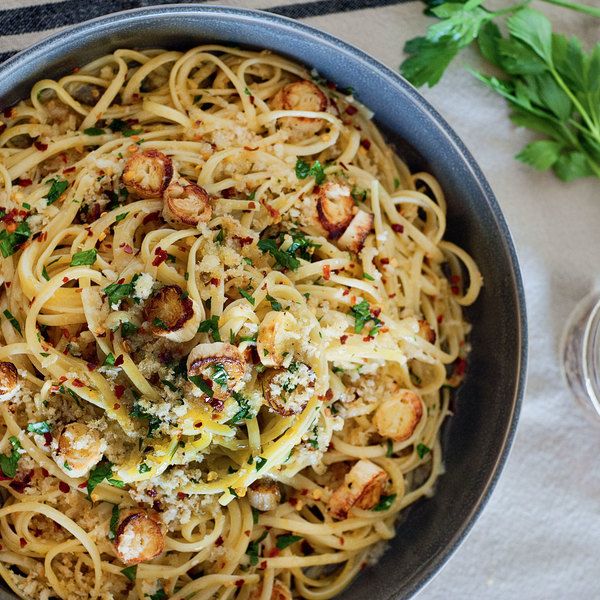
<point x="232" y="325"/>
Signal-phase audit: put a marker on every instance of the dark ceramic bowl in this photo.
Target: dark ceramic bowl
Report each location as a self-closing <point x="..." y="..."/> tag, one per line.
<point x="477" y="439"/>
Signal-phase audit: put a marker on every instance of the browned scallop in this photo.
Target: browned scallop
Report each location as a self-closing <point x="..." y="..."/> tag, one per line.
<point x="221" y="366"/>
<point x="362" y="488"/>
<point x="264" y="495"/>
<point x="9" y="380"/>
<point x="300" y="95"/>
<point x="426" y="332"/>
<point x="148" y="173"/>
<point x="140" y="536"/>
<point x="280" y="591"/>
<point x="356" y="233"/>
<point x="397" y="417"/>
<point x="186" y="203"/>
<point x="168" y="310"/>
<point x="335" y="208"/>
<point x="79" y="449"/>
<point x="287" y="391"/>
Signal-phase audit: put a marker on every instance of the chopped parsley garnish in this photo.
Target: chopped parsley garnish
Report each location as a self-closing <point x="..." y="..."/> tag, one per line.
<point x="117" y="125"/>
<point x="247" y="92"/>
<point x="390" y="448"/>
<point x="283" y="541"/>
<point x="253" y="550"/>
<point x="168" y="384"/>
<point x="12" y="320"/>
<point x="144" y="468"/>
<point x="130" y="132"/>
<point x="140" y="413"/>
<point x="260" y="462"/>
<point x="116" y="292"/>
<point x="9" y="463"/>
<point x="57" y="189"/>
<point x="232" y="492"/>
<point x="245" y="411"/>
<point x="11" y="242"/>
<point x="358" y="195"/>
<point x="85" y="257"/>
<point x="120" y="217"/>
<point x="40" y="428"/>
<point x="220" y="237"/>
<point x="130" y="572"/>
<point x="160" y="324"/>
<point x="158" y="595"/>
<point x="385" y="503"/>
<point x="362" y="315"/>
<point x="248" y="261"/>
<point x="128" y="329"/>
<point x="45" y="273"/>
<point x="303" y="170"/>
<point x="211" y="326"/>
<point x="98" y="474"/>
<point x="93" y="131"/>
<point x="114" y="523"/>
<point x="255" y="515"/>
<point x="275" y="304"/>
<point x="201" y="384"/>
<point x="369" y="277"/>
<point x="109" y="361"/>
<point x="219" y="375"/>
<point x="247" y="295"/>
<point x="422" y="450"/>
<point x="288" y="258"/>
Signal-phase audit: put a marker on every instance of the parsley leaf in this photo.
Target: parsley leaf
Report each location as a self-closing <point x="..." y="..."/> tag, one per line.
<point x="275" y="304"/>
<point x="211" y="326"/>
<point x="158" y="595"/>
<point x="199" y="382"/>
<point x="98" y="474"/>
<point x="362" y="315"/>
<point x="283" y="541"/>
<point x="93" y="131"/>
<point x="247" y="295"/>
<point x="422" y="450"/>
<point x="12" y="320"/>
<point x="385" y="503"/>
<point x="303" y="170"/>
<point x="39" y="428"/>
<point x="140" y="413"/>
<point x="245" y="411"/>
<point x="130" y="572"/>
<point x="9" y="463"/>
<point x="220" y="376"/>
<point x="57" y="189"/>
<point x="116" y="292"/>
<point x="253" y="550"/>
<point x="85" y="257"/>
<point x="11" y="242"/>
<point x="114" y="523"/>
<point x="260" y="462"/>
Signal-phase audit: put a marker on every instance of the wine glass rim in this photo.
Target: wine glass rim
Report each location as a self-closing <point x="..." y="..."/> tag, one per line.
<point x="591" y="326"/>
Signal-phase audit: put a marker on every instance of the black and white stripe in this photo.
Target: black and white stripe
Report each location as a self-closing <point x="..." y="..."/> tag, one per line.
<point x="48" y="16"/>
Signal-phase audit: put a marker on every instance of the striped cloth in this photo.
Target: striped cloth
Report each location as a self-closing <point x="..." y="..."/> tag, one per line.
<point x="539" y="537"/>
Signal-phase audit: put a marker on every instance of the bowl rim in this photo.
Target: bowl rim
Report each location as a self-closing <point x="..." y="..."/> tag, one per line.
<point x="116" y="20"/>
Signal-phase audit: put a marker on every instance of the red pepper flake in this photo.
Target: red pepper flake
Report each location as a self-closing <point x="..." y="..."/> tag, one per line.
<point x="351" y="110"/>
<point x="119" y="360"/>
<point x="329" y="394"/>
<point x="198" y="424"/>
<point x="92" y="366"/>
<point x="41" y="146"/>
<point x="244" y="241"/>
<point x="239" y="583"/>
<point x="273" y="552"/>
<point x="24" y="182"/>
<point x="384" y="261"/>
<point x="83" y="485"/>
<point x="263" y="565"/>
<point x="398" y="228"/>
<point x="62" y="379"/>
<point x="343" y="339"/>
<point x="116" y="406"/>
<point x="161" y="256"/>
<point x="152" y="493"/>
<point x="119" y="390"/>
<point x="219" y="541"/>
<point x="293" y="501"/>
<point x="47" y="439"/>
<point x="455" y="290"/>
<point x="22" y="542"/>
<point x="65" y="280"/>
<point x="2" y="127"/>
<point x="376" y="312"/>
<point x="64" y="487"/>
<point x="9" y="112"/>
<point x="78" y="383"/>
<point x="215" y="281"/>
<point x="460" y="366"/>
<point x="455" y="279"/>
<point x="345" y="292"/>
<point x="368" y="338"/>
<point x="228" y="193"/>
<point x="251" y="204"/>
<point x="440" y="318"/>
<point x="69" y="170"/>
<point x="183" y="496"/>
<point x="366" y="144"/>
<point x="45" y="472"/>
<point x="128" y="249"/>
<point x="326" y="272"/>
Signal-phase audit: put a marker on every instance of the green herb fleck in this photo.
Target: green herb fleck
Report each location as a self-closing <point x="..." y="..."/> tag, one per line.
<point x="12" y="320"/>
<point x="247" y="295"/>
<point x="275" y="304"/>
<point x="211" y="326"/>
<point x="385" y="503"/>
<point x="422" y="450"/>
<point x="114" y="523"/>
<point x="40" y="428"/>
<point x="283" y="541"/>
<point x="57" y="189"/>
<point x="93" y="131"/>
<point x="260" y="462"/>
<point x="130" y="572"/>
<point x="85" y="257"/>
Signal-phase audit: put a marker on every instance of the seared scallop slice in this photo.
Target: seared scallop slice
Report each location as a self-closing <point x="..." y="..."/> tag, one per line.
<point x="276" y="337"/>
<point x="362" y="488"/>
<point x="335" y="208"/>
<point x="300" y="95"/>
<point x="220" y="366"/>
<point x="280" y="591"/>
<point x="287" y="391"/>
<point x="79" y="449"/>
<point x="264" y="495"/>
<point x="356" y="233"/>
<point x="172" y="314"/>
<point x="9" y="380"/>
<point x="426" y="332"/>
<point x="397" y="417"/>
<point x="148" y="173"/>
<point x="186" y="203"/>
<point x="140" y="536"/>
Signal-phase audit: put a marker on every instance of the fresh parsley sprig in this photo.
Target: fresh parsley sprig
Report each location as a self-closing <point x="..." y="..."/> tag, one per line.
<point x="551" y="83"/>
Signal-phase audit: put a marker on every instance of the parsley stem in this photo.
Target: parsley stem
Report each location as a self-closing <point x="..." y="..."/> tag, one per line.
<point x="583" y="8"/>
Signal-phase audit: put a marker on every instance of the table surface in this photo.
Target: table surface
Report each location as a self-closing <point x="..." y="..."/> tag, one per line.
<point x="539" y="536"/>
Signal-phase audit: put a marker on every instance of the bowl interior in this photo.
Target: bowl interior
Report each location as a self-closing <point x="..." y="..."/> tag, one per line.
<point x="477" y="438"/>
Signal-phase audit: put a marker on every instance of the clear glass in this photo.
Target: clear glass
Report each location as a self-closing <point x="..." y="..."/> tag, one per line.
<point x="580" y="350"/>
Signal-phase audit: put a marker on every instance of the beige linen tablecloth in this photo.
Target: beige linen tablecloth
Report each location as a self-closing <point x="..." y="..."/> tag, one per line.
<point x="539" y="537"/>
